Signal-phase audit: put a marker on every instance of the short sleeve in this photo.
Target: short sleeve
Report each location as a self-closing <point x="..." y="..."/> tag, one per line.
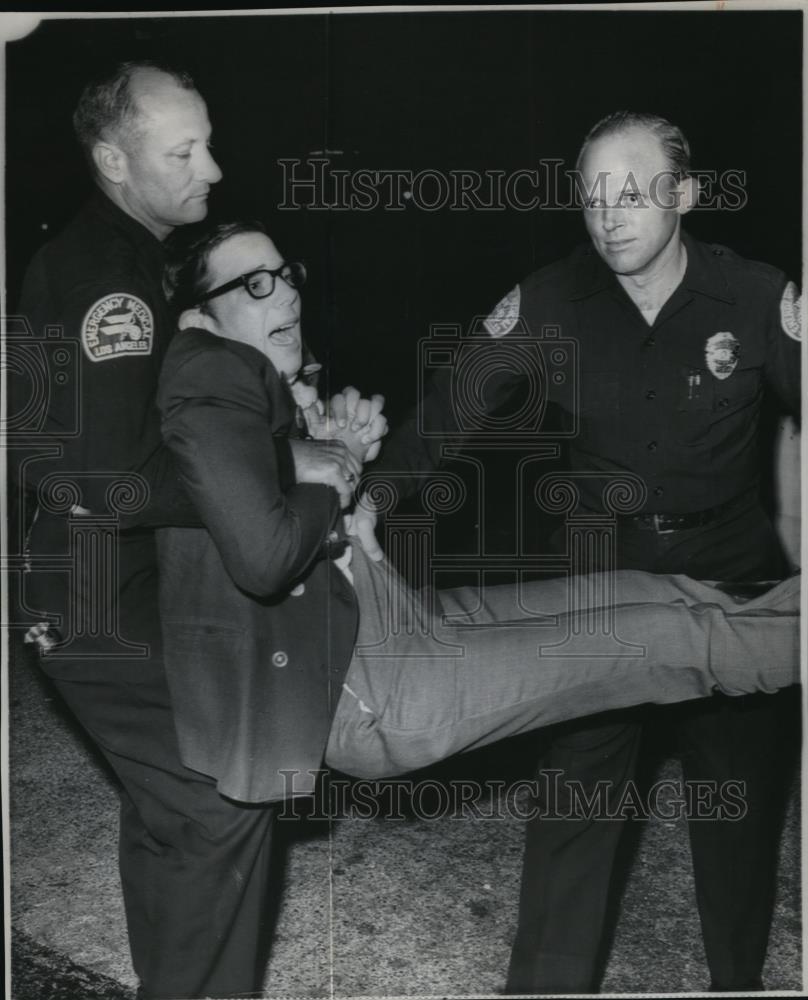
<point x="783" y="347"/>
<point x="99" y="345"/>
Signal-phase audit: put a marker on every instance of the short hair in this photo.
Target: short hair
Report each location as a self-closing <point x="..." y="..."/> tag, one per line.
<point x="107" y="109"/>
<point x="674" y="144"/>
<point x="185" y="275"/>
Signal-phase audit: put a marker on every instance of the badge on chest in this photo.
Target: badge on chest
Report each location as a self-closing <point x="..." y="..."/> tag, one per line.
<point x="721" y="353"/>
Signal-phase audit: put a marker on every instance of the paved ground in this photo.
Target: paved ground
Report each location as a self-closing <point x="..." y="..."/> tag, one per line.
<point x="370" y="906"/>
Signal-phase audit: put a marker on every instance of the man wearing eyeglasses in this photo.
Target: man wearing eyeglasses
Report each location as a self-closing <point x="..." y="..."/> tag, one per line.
<point x="193" y="864"/>
<point x="259" y="636"/>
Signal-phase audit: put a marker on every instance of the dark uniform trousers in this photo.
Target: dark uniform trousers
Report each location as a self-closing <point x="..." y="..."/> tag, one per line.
<point x="568" y="865"/>
<point x="194" y="865"/>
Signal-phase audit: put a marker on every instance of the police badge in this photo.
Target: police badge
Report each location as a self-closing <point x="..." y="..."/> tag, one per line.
<point x="721" y="353"/>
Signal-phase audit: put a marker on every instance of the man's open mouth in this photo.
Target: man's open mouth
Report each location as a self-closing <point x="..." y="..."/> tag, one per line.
<point x="285" y="334"/>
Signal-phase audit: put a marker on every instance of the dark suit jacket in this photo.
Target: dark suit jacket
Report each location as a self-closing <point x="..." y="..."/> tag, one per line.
<point x="253" y="665"/>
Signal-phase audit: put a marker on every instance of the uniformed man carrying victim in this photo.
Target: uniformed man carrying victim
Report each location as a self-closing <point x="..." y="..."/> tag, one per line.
<point x="677" y="340"/>
<point x="193" y="864"/>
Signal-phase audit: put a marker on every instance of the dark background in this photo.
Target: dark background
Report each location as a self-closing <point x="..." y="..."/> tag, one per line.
<point x="444" y="91"/>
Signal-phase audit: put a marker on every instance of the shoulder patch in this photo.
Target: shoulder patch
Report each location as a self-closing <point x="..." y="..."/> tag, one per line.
<point x="117" y="325"/>
<point x="505" y="314"/>
<point x="791" y="312"/>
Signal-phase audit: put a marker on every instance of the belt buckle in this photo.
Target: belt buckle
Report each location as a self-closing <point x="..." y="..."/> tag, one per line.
<point x="659" y="530"/>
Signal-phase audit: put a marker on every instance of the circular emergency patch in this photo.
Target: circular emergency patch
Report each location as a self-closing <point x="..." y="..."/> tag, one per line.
<point x="505" y="314"/>
<point x="791" y="311"/>
<point x="721" y="354"/>
<point x="116" y="326"/>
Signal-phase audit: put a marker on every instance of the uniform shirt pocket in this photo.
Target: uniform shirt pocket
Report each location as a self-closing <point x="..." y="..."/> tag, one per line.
<point x="704" y="400"/>
<point x="738" y="390"/>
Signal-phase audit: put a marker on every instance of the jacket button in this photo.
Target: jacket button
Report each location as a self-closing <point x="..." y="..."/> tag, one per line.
<point x="298" y="591"/>
<point x="652" y="446"/>
<point x="279" y="659"/>
<point x="651" y="394"/>
<point x="718" y="252"/>
<point x="650" y="342"/>
<point x="658" y="491"/>
<point x="723" y="402"/>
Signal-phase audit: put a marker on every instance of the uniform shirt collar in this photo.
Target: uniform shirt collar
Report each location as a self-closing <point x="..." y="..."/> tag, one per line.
<point x="116" y="217"/>
<point x="703" y="275"/>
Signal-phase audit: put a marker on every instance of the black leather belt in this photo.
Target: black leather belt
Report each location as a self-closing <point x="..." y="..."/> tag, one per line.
<point x="662" y="523"/>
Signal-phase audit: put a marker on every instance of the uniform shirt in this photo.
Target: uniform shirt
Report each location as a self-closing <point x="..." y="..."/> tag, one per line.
<point x="96" y="316"/>
<point x="92" y="298"/>
<point x="676" y="402"/>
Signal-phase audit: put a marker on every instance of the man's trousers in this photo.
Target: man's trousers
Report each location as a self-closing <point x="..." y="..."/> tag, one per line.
<point x="748" y="741"/>
<point x="485" y="663"/>
<point x="194" y="866"/>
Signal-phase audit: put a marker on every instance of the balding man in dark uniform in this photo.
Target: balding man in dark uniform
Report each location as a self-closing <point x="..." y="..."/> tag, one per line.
<point x="193" y="864"/>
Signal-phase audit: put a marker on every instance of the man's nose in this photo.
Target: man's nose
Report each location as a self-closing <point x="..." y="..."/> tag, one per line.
<point x="284" y="293"/>
<point x="209" y="170"/>
<point x="611" y="218"/>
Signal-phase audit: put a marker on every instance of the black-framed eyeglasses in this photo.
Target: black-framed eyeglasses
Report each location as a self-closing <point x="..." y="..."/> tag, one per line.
<point x="261" y="284"/>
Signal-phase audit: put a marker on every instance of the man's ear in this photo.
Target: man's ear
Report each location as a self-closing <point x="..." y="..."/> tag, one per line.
<point x="687" y="194"/>
<point x="110" y="161"/>
<point x="196" y="319"/>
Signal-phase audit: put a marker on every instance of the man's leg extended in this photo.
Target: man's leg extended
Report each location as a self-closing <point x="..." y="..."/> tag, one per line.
<point x="477" y="672"/>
